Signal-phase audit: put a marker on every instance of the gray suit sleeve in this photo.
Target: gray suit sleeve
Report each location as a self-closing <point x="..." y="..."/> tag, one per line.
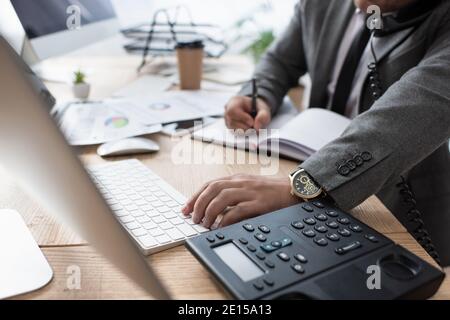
<point x="281" y="67"/>
<point x="408" y="123"/>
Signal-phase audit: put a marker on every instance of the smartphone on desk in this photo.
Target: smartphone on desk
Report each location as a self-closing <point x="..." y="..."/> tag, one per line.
<point x="182" y="128"/>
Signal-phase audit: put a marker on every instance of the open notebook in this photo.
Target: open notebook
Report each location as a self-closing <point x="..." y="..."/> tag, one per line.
<point x="293" y="135"/>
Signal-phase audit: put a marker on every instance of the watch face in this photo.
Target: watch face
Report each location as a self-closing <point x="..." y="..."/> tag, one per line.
<point x="304" y="186"/>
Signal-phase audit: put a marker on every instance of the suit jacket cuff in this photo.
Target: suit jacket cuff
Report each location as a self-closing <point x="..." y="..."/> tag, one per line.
<point x="344" y="176"/>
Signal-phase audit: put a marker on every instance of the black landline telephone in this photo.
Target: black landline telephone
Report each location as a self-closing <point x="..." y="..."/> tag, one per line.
<point x="312" y="251"/>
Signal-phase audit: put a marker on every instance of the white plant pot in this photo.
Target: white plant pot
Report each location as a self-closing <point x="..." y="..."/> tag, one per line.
<point x="81" y="90"/>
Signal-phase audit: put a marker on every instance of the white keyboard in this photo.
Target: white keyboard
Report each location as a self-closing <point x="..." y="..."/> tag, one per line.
<point x="147" y="206"/>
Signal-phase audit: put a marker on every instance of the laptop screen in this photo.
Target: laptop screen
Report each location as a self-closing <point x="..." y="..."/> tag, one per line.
<point x="43" y="17"/>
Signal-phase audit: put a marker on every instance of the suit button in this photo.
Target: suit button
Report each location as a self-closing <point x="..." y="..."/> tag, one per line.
<point x="351" y="164"/>
<point x="358" y="160"/>
<point x="344" y="170"/>
<point x="367" y="156"/>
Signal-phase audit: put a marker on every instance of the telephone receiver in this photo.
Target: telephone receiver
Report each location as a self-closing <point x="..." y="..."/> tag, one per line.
<point x="410" y="16"/>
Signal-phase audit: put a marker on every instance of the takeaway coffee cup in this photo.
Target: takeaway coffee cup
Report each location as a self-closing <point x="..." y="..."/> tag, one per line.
<point x="190" y="64"/>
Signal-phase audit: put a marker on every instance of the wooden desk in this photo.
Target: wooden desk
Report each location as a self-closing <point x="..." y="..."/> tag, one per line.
<point x="180" y="271"/>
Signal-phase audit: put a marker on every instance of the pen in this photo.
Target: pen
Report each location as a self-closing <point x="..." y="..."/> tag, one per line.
<point x="254" y="110"/>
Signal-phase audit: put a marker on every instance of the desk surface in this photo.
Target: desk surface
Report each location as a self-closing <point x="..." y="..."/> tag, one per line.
<point x="180" y="271"/>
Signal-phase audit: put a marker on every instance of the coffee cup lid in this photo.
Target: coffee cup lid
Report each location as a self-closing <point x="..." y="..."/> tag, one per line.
<point x="196" y="44"/>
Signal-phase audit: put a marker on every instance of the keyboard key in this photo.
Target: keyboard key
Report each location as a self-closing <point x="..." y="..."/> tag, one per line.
<point x="132" y="225"/>
<point x="126" y="219"/>
<point x="166" y="225"/>
<point x="163" y="239"/>
<point x="164" y="209"/>
<point x="139" y="232"/>
<point x="159" y="219"/>
<point x="156" y="232"/>
<point x="176" y="221"/>
<point x="147" y="241"/>
<point x="200" y="229"/>
<point x="143" y="219"/>
<point x="187" y="230"/>
<point x="149" y="225"/>
<point x="137" y="213"/>
<point x="175" y="234"/>
<point x="170" y="215"/>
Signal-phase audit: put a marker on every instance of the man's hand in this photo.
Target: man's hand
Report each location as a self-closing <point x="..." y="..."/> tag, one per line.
<point x="237" y="114"/>
<point x="239" y="197"/>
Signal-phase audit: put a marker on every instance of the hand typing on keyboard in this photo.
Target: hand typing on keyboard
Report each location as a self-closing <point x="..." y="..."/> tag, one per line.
<point x="147" y="206"/>
<point x="238" y="197"/>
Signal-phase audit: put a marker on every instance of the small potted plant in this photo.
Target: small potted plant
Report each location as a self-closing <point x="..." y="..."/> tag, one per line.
<point x="81" y="89"/>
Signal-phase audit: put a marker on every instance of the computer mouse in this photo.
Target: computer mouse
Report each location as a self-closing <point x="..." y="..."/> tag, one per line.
<point x="129" y="146"/>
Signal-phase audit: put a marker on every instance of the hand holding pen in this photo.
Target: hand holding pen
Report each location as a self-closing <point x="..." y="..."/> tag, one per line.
<point x="248" y="112"/>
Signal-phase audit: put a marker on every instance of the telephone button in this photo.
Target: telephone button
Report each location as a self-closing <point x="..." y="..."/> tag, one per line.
<point x="332" y="213"/>
<point x="332" y="224"/>
<point x="243" y="241"/>
<point x="371" y="238"/>
<point x="310" y="221"/>
<point x="269" y="264"/>
<point x="220" y="236"/>
<point x="309" y="233"/>
<point x="283" y="256"/>
<point x="286" y="242"/>
<point x="210" y="239"/>
<point x="333" y="237"/>
<point x="269" y="282"/>
<point x="348" y="248"/>
<point x="251" y="248"/>
<point x="298" y="225"/>
<point x="321" y="217"/>
<point x="260" y="256"/>
<point x="298" y="268"/>
<point x="356" y="228"/>
<point x="268" y="248"/>
<point x="344" y="232"/>
<point x="321" y="229"/>
<point x="300" y="258"/>
<point x="260" y="237"/>
<point x="276" y="244"/>
<point x="318" y="204"/>
<point x="344" y="221"/>
<point x="258" y="286"/>
<point x="321" y="242"/>
<point x="248" y="227"/>
<point x="308" y="208"/>
<point x="264" y="229"/>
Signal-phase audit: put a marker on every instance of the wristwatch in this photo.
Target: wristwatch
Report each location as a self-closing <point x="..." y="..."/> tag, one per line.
<point x="303" y="185"/>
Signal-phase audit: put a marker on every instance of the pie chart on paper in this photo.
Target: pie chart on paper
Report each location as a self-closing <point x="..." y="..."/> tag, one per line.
<point x="117" y="122"/>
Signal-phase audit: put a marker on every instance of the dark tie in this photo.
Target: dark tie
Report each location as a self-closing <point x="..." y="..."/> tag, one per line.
<point x="345" y="80"/>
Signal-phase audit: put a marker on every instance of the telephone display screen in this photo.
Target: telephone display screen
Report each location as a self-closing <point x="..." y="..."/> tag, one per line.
<point x="237" y="261"/>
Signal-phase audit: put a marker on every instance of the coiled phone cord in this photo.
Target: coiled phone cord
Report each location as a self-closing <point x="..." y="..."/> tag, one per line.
<point x="414" y="216"/>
